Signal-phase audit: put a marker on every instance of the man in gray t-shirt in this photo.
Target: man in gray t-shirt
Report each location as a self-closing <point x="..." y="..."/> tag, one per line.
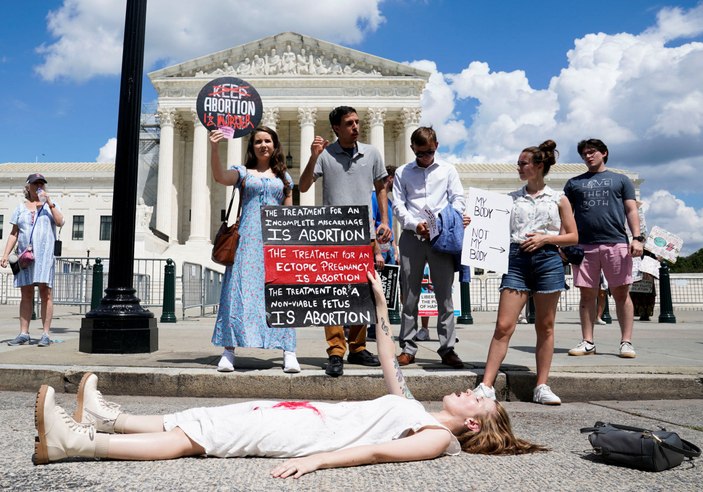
<point x="603" y="201"/>
<point x="349" y="169"/>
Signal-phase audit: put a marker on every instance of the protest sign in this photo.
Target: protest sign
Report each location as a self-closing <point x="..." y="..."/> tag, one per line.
<point x="231" y="105"/>
<point x="487" y="237"/>
<point x="315" y="261"/>
<point x="663" y="244"/>
<point x="389" y="279"/>
<point x="427" y="305"/>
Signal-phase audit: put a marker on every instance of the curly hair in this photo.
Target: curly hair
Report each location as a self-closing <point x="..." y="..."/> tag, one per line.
<point x="277" y="164"/>
<point x="496" y="436"/>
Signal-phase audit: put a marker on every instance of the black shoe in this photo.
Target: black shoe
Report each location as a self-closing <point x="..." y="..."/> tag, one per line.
<point x="371" y="333"/>
<point x="364" y="358"/>
<point x="335" y="366"/>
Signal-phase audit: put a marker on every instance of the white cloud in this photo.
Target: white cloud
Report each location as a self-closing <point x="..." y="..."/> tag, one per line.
<point x="89" y="33"/>
<point x="108" y="151"/>
<point x="663" y="209"/>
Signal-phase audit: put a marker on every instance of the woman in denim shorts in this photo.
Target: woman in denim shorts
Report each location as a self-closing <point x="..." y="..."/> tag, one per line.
<point x="541" y="221"/>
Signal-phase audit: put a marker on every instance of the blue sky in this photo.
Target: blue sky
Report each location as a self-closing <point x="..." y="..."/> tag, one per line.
<point x="505" y="75"/>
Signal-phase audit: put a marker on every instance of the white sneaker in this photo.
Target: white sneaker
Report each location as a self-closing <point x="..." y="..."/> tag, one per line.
<point x="59" y="436"/>
<point x="226" y="363"/>
<point x="92" y="407"/>
<point x="627" y="351"/>
<point x="583" y="348"/>
<point x="600" y="321"/>
<point x="543" y="394"/>
<point x="422" y="335"/>
<point x="485" y="391"/>
<point x="290" y="362"/>
<point x="521" y="319"/>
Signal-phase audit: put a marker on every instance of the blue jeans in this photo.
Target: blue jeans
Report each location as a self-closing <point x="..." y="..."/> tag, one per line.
<point x="541" y="271"/>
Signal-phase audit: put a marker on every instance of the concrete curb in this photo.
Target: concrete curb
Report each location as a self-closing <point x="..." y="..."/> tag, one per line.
<point x="315" y="385"/>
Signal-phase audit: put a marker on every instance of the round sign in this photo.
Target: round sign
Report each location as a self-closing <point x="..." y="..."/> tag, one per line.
<point x="230" y="104"/>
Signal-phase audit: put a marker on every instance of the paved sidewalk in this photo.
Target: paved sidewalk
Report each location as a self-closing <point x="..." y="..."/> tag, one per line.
<point x="669" y="363"/>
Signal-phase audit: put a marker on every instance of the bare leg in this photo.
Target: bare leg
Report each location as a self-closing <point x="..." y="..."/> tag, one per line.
<point x="152" y="446"/>
<point x="509" y="307"/>
<point x="587" y="311"/>
<point x="425" y="320"/>
<point x="625" y="310"/>
<point x="139" y="424"/>
<point x="27" y="293"/>
<point x="545" y="313"/>
<point x="47" y="306"/>
<point x="601" y="303"/>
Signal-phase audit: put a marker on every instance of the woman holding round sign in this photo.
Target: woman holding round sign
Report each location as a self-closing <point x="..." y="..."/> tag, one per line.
<point x="241" y="318"/>
<point x="541" y="220"/>
<point x="231" y="108"/>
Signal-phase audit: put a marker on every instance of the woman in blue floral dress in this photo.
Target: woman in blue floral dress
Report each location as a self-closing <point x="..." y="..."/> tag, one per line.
<point x="241" y="318"/>
<point x="34" y="224"/>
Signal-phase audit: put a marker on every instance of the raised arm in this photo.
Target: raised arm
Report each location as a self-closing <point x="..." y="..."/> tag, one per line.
<point x="227" y="177"/>
<point x="392" y="375"/>
<point x="426" y="444"/>
<point x="308" y="177"/>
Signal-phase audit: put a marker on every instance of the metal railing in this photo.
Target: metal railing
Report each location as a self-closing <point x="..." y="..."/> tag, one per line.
<point x="201" y="287"/>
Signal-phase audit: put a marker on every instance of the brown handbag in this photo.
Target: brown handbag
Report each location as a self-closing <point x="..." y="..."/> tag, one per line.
<point x="224" y="248"/>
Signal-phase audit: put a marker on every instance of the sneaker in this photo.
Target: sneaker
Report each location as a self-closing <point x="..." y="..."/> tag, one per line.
<point x="20" y="339"/>
<point x="583" y="348"/>
<point x="422" y="335"/>
<point x="364" y="358"/>
<point x="226" y="363"/>
<point x="59" y="436"/>
<point x="521" y="319"/>
<point x="485" y="391"/>
<point x="543" y="394"/>
<point x="290" y="362"/>
<point x="44" y="341"/>
<point x="91" y="407"/>
<point x="627" y="351"/>
<point x="600" y="321"/>
<point x="335" y="366"/>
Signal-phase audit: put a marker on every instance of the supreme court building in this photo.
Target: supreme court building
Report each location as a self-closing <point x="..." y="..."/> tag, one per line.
<point x="300" y="80"/>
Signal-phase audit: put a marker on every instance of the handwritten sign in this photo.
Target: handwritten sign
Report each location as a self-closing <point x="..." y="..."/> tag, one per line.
<point x="315" y="262"/>
<point x="231" y="105"/>
<point x="663" y="244"/>
<point x="487" y="238"/>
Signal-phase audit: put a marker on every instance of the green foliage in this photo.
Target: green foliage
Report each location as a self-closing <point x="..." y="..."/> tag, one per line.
<point x="689" y="264"/>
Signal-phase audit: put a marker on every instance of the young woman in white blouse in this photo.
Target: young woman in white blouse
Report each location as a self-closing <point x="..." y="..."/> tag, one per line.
<point x="391" y="428"/>
<point x="541" y="221"/>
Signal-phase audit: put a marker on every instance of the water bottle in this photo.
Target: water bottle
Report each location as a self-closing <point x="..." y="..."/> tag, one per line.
<point x="41" y="195"/>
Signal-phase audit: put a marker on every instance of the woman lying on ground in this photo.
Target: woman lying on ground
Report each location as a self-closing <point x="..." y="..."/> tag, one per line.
<point x="314" y="435"/>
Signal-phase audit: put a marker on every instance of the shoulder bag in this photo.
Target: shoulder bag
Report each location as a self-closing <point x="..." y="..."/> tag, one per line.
<point x="26" y="257"/>
<point x="639" y="448"/>
<point x="224" y="248"/>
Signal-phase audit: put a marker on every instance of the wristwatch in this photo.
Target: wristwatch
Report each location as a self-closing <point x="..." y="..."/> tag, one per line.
<point x="639" y="238"/>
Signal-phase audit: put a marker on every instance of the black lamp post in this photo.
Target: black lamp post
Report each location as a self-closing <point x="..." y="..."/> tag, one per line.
<point x="120" y="325"/>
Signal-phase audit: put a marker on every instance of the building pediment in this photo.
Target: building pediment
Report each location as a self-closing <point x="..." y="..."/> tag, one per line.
<point x="288" y="55"/>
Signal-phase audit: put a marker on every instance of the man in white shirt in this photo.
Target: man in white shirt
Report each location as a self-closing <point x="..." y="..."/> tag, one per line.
<point x="420" y="186"/>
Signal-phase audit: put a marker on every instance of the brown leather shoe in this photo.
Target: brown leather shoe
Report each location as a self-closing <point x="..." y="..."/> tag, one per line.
<point x="452" y="360"/>
<point x="405" y="359"/>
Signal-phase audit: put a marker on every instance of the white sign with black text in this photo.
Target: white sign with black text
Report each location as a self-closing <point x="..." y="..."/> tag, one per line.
<point x="487" y="237"/>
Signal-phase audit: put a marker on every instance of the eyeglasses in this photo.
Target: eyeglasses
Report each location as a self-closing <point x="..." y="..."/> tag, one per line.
<point x="424" y="153"/>
<point x="589" y="152"/>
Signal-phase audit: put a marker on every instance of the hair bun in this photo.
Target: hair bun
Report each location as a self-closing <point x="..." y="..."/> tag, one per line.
<point x="548" y="146"/>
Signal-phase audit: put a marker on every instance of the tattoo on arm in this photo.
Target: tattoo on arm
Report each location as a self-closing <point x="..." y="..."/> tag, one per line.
<point x="401" y="380"/>
<point x="385" y="327"/>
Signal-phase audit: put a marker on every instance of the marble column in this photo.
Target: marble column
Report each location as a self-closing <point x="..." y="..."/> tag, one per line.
<point x="306" y="119"/>
<point x="411" y="121"/>
<point x="165" y="180"/>
<point x="377" y="118"/>
<point x="199" y="192"/>
<point x="270" y="118"/>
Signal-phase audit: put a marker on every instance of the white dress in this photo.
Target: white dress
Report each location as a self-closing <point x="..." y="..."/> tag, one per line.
<point x="300" y="428"/>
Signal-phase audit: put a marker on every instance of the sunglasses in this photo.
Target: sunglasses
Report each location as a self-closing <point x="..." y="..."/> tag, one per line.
<point x="425" y="153"/>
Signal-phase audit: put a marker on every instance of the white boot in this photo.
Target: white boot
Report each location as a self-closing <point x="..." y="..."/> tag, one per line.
<point x="290" y="362"/>
<point x="92" y="407"/>
<point x="59" y="436"/>
<point x="226" y="363"/>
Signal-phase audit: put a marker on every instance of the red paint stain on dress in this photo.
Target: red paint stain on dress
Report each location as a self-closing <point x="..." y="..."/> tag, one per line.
<point x="295" y="405"/>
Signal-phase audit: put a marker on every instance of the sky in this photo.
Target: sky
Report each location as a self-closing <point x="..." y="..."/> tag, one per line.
<point x="505" y="75"/>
